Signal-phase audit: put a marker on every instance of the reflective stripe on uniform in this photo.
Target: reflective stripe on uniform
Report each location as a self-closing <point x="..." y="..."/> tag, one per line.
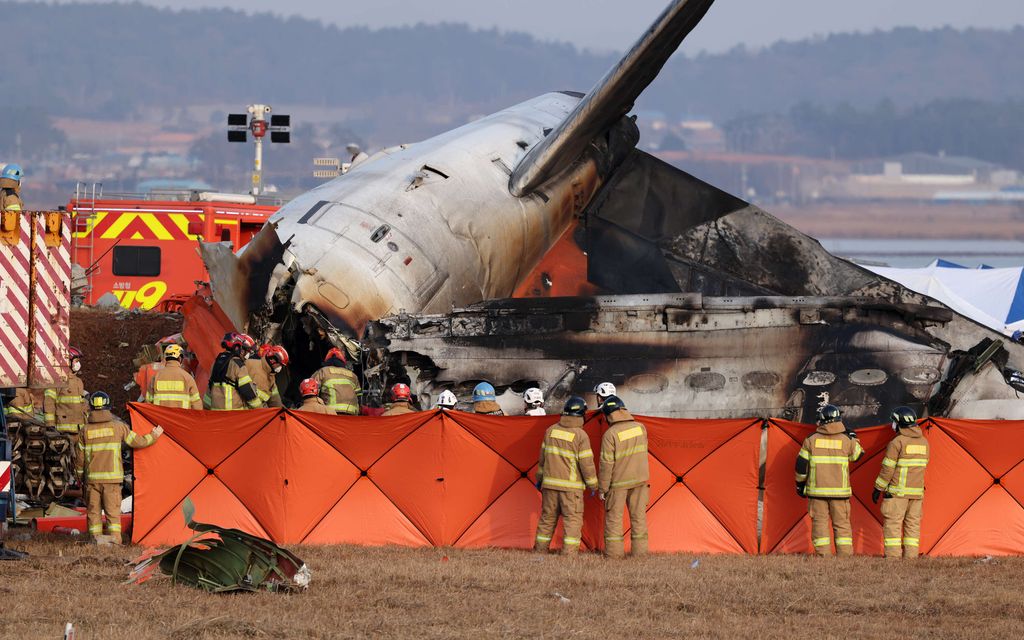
<point x="560" y="452"/>
<point x="541" y="538"/>
<point x="845" y="542"/>
<point x="635" y="432"/>
<point x="892" y="542"/>
<point x="821" y="542"/>
<point x="912" y="542"/>
<point x="565" y="484"/>
<point x="99" y="433"/>
<point x="563" y="435"/>
<point x="613" y="538"/>
<point x="105" y="475"/>
<point x="627" y="483"/>
<point x="829" y="459"/>
<point x="103" y="446"/>
<point x="828" y="492"/>
<point x="908" y="462"/>
<point x="632" y="451"/>
<point x="571" y="542"/>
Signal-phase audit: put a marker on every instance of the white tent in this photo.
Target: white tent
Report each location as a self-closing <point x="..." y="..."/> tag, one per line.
<point x="992" y="297"/>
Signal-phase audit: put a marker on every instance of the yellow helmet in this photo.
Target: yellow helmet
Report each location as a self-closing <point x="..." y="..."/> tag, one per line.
<point x="99" y="401"/>
<point x="173" y="352"/>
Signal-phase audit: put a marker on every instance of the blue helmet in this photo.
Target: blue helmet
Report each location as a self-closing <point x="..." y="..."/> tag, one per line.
<point x="483" y="391"/>
<point x="1018" y="336"/>
<point x="12" y="171"/>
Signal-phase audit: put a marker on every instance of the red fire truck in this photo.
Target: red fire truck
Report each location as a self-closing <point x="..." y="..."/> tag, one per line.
<point x="143" y="248"/>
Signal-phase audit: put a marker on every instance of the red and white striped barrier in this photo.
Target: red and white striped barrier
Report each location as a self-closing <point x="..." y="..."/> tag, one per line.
<point x="5" y="477"/>
<point x="16" y="265"/>
<point x="51" y="305"/>
<point x="35" y="300"/>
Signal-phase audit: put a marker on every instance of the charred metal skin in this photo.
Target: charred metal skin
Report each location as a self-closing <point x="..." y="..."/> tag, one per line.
<point x="689" y="356"/>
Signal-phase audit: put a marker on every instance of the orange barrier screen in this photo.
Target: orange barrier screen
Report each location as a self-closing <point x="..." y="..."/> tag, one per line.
<point x="424" y="479"/>
<point x="464" y="480"/>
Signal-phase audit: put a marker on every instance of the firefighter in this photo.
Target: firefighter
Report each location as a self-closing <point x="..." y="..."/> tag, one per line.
<point x="533" y="398"/>
<point x="171" y="385"/>
<point x="447" y="401"/>
<point x="339" y="387"/>
<point x="98" y="463"/>
<point x="309" y="389"/>
<point x="64" y="406"/>
<point x="22" y="406"/>
<point x="230" y="387"/>
<point x="566" y="467"/>
<point x="401" y="401"/>
<point x="484" y="401"/>
<point x="623" y="478"/>
<point x="11" y="203"/>
<point x="901" y="480"/>
<point x="823" y="477"/>
<point x="604" y="391"/>
<point x="263" y="370"/>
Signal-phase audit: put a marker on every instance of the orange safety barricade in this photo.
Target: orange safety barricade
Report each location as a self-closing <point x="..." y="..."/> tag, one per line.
<point x="424" y="479"/>
<point x="464" y="480"/>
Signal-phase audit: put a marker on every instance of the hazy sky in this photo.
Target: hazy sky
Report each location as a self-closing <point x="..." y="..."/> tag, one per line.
<point x="614" y="24"/>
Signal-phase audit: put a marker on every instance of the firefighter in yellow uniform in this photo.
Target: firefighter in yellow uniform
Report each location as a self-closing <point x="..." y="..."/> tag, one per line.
<point x="309" y="389"/>
<point x="566" y="467"/>
<point x="11" y="204"/>
<point x="99" y="465"/>
<point x="22" y="406"/>
<point x="623" y="479"/>
<point x="230" y="387"/>
<point x="823" y="477"/>
<point x="64" y="406"/>
<point x="401" y="401"/>
<point x="339" y="387"/>
<point x="901" y="481"/>
<point x="172" y="386"/>
<point x="263" y="371"/>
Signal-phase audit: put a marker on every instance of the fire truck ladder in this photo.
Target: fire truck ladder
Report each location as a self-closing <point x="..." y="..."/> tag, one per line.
<point x="85" y="219"/>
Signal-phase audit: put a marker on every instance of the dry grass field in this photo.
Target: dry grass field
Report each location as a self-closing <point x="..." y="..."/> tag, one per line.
<point x="399" y="593"/>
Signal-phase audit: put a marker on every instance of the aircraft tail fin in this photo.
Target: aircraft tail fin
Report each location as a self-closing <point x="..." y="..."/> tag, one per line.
<point x="611" y="98"/>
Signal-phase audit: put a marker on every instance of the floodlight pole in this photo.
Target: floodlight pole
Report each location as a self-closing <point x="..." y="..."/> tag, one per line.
<point x="258" y="127"/>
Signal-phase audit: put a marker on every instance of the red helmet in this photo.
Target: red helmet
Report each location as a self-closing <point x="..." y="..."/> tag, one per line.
<point x="263" y="350"/>
<point x="231" y="341"/>
<point x="309" y="387"/>
<point x="275" y="352"/>
<point x="247" y="342"/>
<point x="74" y="352"/>
<point x="401" y="391"/>
<point x="335" y="352"/>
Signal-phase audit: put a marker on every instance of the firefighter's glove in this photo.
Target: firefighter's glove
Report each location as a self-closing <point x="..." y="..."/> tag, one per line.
<point x="157" y="431"/>
<point x="800" y="489"/>
<point x="851" y="433"/>
<point x="538" y="484"/>
<point x="601" y="496"/>
<point x="875" y="495"/>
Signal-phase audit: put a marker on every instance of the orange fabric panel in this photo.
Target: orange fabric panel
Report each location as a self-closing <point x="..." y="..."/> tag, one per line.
<point x="953" y="482"/>
<point x="994" y="525"/>
<point x="679" y="522"/>
<point x="205" y="324"/>
<point x="997" y="445"/>
<point x="365" y="516"/>
<point x="363" y="439"/>
<point x="515" y="438"/>
<point x="726" y="482"/>
<point x="214" y="503"/>
<point x="210" y="436"/>
<point x="511" y="521"/>
<point x="164" y="476"/>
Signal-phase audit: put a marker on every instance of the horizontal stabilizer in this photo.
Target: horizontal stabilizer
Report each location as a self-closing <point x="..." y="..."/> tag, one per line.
<point x="610" y="99"/>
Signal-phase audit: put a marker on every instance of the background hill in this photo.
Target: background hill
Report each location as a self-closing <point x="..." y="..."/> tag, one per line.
<point x="114" y="60"/>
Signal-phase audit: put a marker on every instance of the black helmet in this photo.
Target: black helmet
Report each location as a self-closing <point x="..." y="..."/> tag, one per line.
<point x="903" y="418"/>
<point x="575" y="406"/>
<point x="611" y="405"/>
<point x="99" y="401"/>
<point x="829" y="413"/>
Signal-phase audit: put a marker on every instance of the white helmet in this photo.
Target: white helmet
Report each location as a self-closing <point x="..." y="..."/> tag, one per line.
<point x="605" y="390"/>
<point x="447" y="400"/>
<point x="533" y="396"/>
